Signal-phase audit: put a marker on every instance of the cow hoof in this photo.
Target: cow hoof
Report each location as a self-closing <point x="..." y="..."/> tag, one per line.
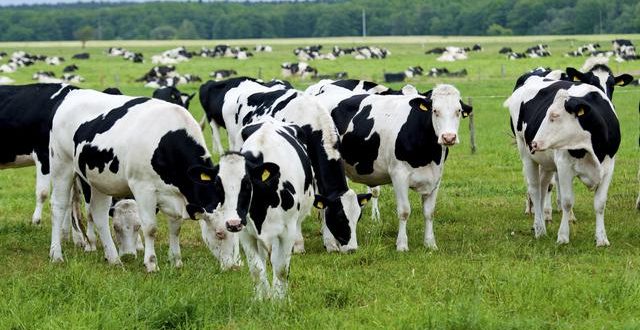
<point x="35" y="221"/>
<point x="601" y="242"/>
<point x="332" y="247"/>
<point x="539" y="231"/>
<point x="298" y="249"/>
<point x="402" y="248"/>
<point x="56" y="259"/>
<point x="177" y="263"/>
<point x="547" y="215"/>
<point x="431" y="245"/>
<point x="563" y="239"/>
<point x="114" y="261"/>
<point x="151" y="267"/>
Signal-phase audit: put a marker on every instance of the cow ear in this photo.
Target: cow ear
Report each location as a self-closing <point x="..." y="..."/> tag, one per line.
<point x="363" y="199"/>
<point x="574" y="75"/>
<point x="266" y="173"/>
<point x="421" y="104"/>
<point x="202" y="174"/>
<point x="577" y="107"/>
<point x="320" y="202"/>
<point x="623" y="79"/>
<point x="466" y="109"/>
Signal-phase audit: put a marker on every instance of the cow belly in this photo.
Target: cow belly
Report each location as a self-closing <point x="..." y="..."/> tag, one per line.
<point x="108" y="183"/>
<point x="19" y="161"/>
<point x="376" y="178"/>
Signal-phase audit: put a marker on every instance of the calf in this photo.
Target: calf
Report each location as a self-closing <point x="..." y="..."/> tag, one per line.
<point x="93" y="135"/>
<point x="173" y="95"/>
<point x="570" y="128"/>
<point x="399" y="139"/>
<point x="268" y="191"/>
<point x="241" y="101"/>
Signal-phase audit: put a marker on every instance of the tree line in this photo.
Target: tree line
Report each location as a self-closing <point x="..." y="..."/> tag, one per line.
<point x="227" y="20"/>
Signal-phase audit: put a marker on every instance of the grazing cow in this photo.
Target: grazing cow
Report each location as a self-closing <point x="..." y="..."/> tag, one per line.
<point x="399" y="139"/>
<point x="570" y="128"/>
<point x="97" y="137"/>
<point x="126" y="225"/>
<point x="237" y="102"/>
<point x="222" y="74"/>
<point x="173" y="95"/>
<point x="81" y="56"/>
<point x="596" y="72"/>
<point x="268" y="191"/>
<point x="70" y="68"/>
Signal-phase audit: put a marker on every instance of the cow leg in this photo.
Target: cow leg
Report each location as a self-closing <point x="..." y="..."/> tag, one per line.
<point x="528" y="205"/>
<point x="256" y="260"/>
<point x="572" y="217"/>
<point x="403" y="208"/>
<point x="78" y="230"/>
<point x="99" y="209"/>
<point x="532" y="172"/>
<point x="139" y="245"/>
<point x="565" y="189"/>
<point x="545" y="190"/>
<point x="91" y="232"/>
<point x="203" y="121"/>
<point x="428" y="206"/>
<point x="43" y="182"/>
<point x="298" y="245"/>
<point x="375" y="211"/>
<point x="215" y="135"/>
<point x="174" y="242"/>
<point x="147" y="210"/>
<point x="599" y="204"/>
<point x="62" y="176"/>
<point x="280" y="259"/>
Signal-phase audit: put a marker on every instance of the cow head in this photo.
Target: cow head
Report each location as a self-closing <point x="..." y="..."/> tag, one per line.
<point x="446" y="110"/>
<point x="126" y="224"/>
<point x="341" y="216"/>
<point x="560" y="128"/>
<point x="600" y="76"/>
<point x="222" y="244"/>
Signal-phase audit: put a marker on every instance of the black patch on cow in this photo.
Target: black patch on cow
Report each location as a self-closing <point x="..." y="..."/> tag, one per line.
<point x="577" y="153"/>
<point x="286" y="195"/>
<point x="88" y="131"/>
<point x="212" y="97"/>
<point x="302" y="157"/>
<point x="92" y="157"/>
<point x="351" y="84"/>
<point x="344" y="112"/>
<point x="600" y="121"/>
<point x="26" y="113"/>
<point x="262" y="103"/>
<point x="417" y="142"/>
<point x="357" y="148"/>
<point x="175" y="154"/>
<point x="281" y="105"/>
<point x="533" y="111"/>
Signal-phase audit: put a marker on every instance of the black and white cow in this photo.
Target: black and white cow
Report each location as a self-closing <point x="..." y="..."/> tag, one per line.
<point x="222" y="74"/>
<point x="124" y="146"/>
<point x="505" y="50"/>
<point x="570" y="128"/>
<point x="25" y="119"/>
<point x="173" y="95"/>
<point x="70" y="68"/>
<point x="596" y="72"/>
<point x="399" y="139"/>
<point x="268" y="191"/>
<point x="237" y="102"/>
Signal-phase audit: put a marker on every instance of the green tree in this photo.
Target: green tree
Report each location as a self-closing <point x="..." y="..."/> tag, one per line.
<point x="498" y="30"/>
<point x="163" y="32"/>
<point x="187" y="30"/>
<point x="84" y="34"/>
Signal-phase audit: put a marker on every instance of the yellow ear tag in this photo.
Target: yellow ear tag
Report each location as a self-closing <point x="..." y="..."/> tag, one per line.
<point x="205" y="177"/>
<point x="265" y="175"/>
<point x="423" y="107"/>
<point x="580" y="112"/>
<point x="620" y="83"/>
<point x="319" y="205"/>
<point x="575" y="78"/>
<point x="363" y="201"/>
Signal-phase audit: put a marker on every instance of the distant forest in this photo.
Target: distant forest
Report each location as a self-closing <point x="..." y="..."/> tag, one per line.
<point x="226" y="20"/>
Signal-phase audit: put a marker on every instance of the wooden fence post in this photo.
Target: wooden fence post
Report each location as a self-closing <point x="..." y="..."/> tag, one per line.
<point x="472" y="129"/>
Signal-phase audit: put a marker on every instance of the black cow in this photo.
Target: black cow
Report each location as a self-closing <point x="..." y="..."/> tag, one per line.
<point x="70" y="68"/>
<point x="81" y="56"/>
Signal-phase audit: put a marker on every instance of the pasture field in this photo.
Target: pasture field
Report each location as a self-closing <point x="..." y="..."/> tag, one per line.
<point x="489" y="271"/>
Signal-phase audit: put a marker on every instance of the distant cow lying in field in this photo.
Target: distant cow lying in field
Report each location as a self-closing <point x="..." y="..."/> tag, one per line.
<point x="302" y="70"/>
<point x="222" y="74"/>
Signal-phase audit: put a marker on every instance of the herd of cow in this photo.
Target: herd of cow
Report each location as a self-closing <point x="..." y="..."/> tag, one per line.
<point x="289" y="150"/>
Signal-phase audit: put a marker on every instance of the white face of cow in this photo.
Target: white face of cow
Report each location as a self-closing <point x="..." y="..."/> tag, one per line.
<point x="233" y="178"/>
<point x="447" y="111"/>
<point x="126" y="224"/>
<point x="560" y="128"/>
<point x="222" y="244"/>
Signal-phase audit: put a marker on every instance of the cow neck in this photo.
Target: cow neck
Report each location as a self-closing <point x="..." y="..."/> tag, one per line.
<point x="328" y="173"/>
<point x="417" y="142"/>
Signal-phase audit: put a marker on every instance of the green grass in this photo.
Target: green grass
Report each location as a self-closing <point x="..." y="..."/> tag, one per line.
<point x="489" y="271"/>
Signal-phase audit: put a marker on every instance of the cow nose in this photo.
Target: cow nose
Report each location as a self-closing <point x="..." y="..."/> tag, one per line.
<point x="449" y="138"/>
<point x="234" y="225"/>
<point x="534" y="146"/>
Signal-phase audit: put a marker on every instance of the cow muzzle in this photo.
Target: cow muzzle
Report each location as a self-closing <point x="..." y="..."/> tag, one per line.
<point x="234" y="225"/>
<point x="449" y="139"/>
<point x="535" y="146"/>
